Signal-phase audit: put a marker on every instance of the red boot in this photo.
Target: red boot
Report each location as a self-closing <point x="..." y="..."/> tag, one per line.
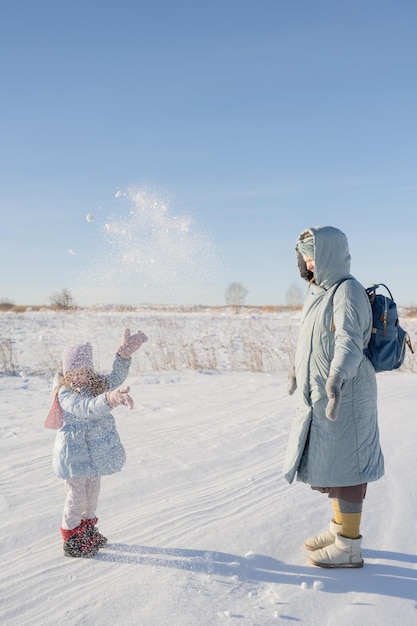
<point x="92" y="531"/>
<point x="78" y="543"/>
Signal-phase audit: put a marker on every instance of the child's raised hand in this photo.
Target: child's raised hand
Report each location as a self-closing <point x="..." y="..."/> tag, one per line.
<point x="119" y="397"/>
<point x="131" y="343"/>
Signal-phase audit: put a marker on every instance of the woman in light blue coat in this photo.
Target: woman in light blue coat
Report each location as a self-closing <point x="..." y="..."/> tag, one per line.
<point x="334" y="440"/>
<point x="87" y="445"/>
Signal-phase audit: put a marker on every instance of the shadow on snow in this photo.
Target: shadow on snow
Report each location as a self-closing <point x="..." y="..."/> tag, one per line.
<point x="374" y="578"/>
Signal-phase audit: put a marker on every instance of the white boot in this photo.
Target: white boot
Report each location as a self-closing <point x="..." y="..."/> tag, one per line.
<point x="344" y="552"/>
<point x="324" y="539"/>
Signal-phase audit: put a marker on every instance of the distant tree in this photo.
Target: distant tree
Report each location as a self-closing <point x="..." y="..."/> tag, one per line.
<point x="236" y="294"/>
<point x="6" y="304"/>
<point x="294" y="296"/>
<point x="62" y="299"/>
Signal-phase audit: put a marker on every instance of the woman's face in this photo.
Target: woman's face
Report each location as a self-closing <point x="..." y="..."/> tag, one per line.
<point x="309" y="261"/>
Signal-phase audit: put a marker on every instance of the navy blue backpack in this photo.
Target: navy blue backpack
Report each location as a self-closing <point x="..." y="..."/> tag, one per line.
<point x="387" y="345"/>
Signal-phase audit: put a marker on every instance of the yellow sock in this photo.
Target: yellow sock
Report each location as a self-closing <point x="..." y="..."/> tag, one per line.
<point x="336" y="512"/>
<point x="350" y="525"/>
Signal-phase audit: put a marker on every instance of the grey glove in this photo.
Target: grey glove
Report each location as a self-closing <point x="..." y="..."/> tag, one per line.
<point x="292" y="381"/>
<point x="334" y="393"/>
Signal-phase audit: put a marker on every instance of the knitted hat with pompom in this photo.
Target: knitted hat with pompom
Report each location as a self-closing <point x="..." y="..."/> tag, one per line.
<point x="77" y="357"/>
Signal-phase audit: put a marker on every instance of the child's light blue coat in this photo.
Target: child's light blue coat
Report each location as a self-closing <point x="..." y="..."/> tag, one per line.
<point x="88" y="444"/>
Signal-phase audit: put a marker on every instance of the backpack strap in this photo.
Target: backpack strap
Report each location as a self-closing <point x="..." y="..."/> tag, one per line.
<point x="371" y="291"/>
<point x="332" y="297"/>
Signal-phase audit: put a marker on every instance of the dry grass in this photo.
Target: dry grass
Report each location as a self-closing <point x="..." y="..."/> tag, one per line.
<point x="257" y="339"/>
<point x="179" y="338"/>
<point x="23" y="308"/>
<point x="8" y="363"/>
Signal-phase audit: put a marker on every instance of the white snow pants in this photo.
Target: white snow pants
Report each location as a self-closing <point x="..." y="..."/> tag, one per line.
<point x="81" y="497"/>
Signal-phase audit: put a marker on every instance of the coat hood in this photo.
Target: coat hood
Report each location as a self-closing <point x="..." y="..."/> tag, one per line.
<point x="331" y="255"/>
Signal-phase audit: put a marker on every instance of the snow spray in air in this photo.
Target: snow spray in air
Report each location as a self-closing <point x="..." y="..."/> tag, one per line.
<point x="150" y="255"/>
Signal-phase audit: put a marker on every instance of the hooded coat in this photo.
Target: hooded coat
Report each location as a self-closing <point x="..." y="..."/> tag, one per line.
<point x="88" y="444"/>
<point x="335" y="328"/>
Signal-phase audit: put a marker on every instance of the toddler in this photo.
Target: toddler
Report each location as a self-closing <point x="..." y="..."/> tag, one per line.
<point x="87" y="444"/>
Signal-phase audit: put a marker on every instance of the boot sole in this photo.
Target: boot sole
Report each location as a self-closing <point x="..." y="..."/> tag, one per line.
<point x="89" y="555"/>
<point x="336" y="566"/>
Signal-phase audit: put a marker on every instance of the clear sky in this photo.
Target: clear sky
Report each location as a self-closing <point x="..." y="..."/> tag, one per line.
<point x="251" y="120"/>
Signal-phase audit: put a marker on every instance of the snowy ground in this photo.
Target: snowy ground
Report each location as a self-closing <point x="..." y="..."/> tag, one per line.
<point x="203" y="529"/>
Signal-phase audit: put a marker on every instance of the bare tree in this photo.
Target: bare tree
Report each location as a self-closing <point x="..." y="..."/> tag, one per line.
<point x="236" y="294"/>
<point x="62" y="299"/>
<point x="6" y="304"/>
<point x="294" y="296"/>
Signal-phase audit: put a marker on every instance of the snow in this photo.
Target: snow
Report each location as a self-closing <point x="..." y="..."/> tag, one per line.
<point x="145" y="249"/>
<point x="202" y="527"/>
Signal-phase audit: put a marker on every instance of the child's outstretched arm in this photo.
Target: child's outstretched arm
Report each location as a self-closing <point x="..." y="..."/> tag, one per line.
<point x="129" y="345"/>
<point x="78" y="406"/>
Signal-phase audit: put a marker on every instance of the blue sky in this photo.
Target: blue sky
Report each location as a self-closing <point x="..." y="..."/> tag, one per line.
<point x="255" y="119"/>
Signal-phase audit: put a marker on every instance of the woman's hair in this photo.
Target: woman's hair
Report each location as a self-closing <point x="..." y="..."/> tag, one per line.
<point x="305" y="235"/>
<point x="96" y="384"/>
